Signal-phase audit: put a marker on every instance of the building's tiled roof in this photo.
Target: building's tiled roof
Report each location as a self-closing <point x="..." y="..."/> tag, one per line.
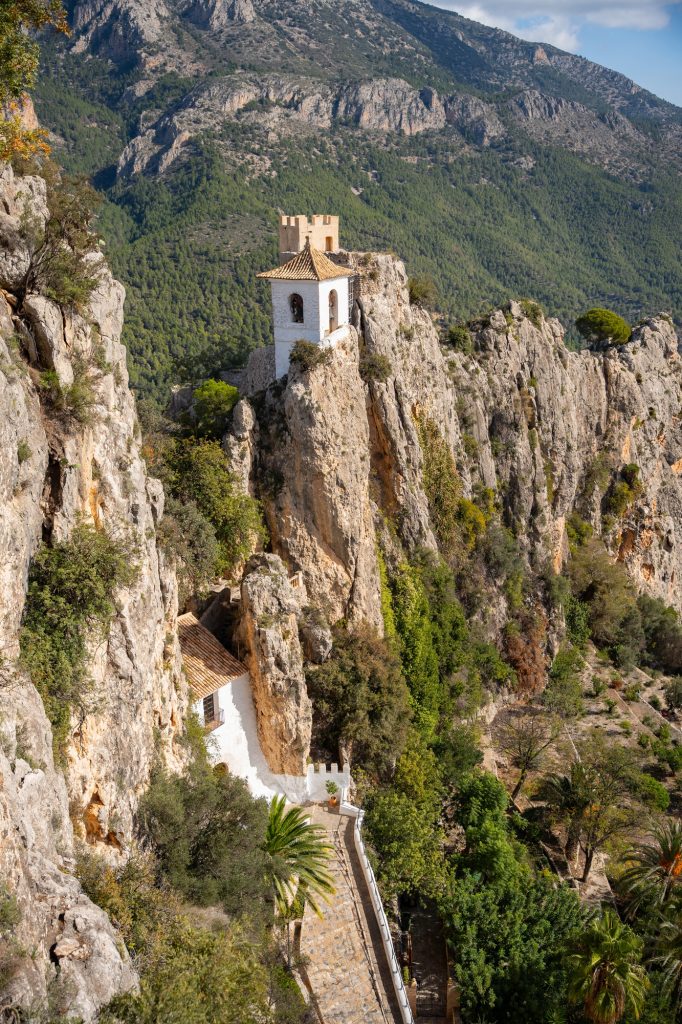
<point x="307" y="265"/>
<point x="207" y="664"/>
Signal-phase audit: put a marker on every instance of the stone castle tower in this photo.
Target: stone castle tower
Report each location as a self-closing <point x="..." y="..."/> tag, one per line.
<point x="310" y="293"/>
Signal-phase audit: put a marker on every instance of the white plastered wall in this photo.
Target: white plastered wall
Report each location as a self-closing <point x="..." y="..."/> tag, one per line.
<point x="315" y="326"/>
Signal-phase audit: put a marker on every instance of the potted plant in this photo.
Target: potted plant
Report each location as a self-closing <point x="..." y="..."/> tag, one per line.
<point x="332" y="789"/>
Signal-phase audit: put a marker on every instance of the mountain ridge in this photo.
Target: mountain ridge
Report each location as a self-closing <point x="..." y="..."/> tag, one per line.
<point x="495" y="165"/>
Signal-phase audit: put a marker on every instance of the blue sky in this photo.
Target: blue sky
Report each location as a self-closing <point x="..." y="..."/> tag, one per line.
<point x="641" y="38"/>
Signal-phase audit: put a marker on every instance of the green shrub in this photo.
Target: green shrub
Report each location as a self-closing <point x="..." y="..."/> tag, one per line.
<point x="459" y="338"/>
<point x="471" y="523"/>
<point x="662" y="634"/>
<point x="227" y="973"/>
<point x="23" y="452"/>
<point x="63" y="263"/>
<point x="653" y="792"/>
<point x="623" y="492"/>
<point x="673" y="694"/>
<point x="76" y="400"/>
<point x="417" y="647"/>
<point x="361" y="700"/>
<point x="206" y="831"/>
<point x="533" y="311"/>
<point x="508" y="944"/>
<point x="605" y="588"/>
<point x="376" y="367"/>
<point x="10" y="915"/>
<point x="563" y="694"/>
<point x="307" y="355"/>
<point x="598" y="686"/>
<point x="631" y="693"/>
<point x="422" y="291"/>
<point x="197" y="472"/>
<point x="190" y="540"/>
<point x="70" y="601"/>
<point x="407" y="838"/>
<point x="213" y="402"/>
<point x="603" y="327"/>
<point x="441" y="482"/>
<point x="577" y="622"/>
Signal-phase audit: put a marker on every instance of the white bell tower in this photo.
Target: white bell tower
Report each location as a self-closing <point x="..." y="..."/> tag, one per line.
<point x="309" y="302"/>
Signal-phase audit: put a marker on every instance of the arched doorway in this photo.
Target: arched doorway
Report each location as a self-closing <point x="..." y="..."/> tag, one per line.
<point x="296" y="307"/>
<point x="333" y="310"/>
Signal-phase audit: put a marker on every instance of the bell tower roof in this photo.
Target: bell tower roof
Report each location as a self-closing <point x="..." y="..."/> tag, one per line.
<point x="307" y="265"/>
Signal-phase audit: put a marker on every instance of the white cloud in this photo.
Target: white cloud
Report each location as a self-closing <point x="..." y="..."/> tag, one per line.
<point x="559" y="21"/>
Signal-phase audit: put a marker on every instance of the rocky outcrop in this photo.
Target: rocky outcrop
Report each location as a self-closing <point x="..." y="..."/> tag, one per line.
<point x="117" y="29"/>
<point x="603" y="138"/>
<point x="268" y="640"/>
<point x="57" y="469"/>
<point x="382" y="106"/>
<point x="218" y="14"/>
<point x="542" y="418"/>
<point x="312" y="473"/>
<point x="333" y="457"/>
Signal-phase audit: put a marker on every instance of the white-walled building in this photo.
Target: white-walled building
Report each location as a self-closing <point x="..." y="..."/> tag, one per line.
<point x="223" y="702"/>
<point x="310" y="302"/>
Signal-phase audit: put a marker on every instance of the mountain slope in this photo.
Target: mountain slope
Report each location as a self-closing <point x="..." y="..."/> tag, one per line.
<point x="495" y="165"/>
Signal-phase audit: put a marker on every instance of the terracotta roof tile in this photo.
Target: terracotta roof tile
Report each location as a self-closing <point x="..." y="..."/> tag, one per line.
<point x="207" y="664"/>
<point x="307" y="265"/>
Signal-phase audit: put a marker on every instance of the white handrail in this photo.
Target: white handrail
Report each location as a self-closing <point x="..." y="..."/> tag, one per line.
<point x="379" y="913"/>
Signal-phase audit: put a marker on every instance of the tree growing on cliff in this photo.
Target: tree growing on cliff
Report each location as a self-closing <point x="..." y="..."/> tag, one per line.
<point x="65" y="262"/>
<point x="70" y="602"/>
<point x="362" y="704"/>
<point x="19" y="54"/>
<point x="603" y="327"/>
<point x="525" y="741"/>
<point x="213" y="403"/>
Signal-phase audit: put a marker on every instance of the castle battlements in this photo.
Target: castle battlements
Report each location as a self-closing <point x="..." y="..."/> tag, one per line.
<point x="321" y="231"/>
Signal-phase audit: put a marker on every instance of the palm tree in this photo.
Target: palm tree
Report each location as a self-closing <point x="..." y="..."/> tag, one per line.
<point x="299" y="858"/>
<point x="604" y="969"/>
<point x="655" y="873"/>
<point x="570" y="795"/>
<point x="668" y="957"/>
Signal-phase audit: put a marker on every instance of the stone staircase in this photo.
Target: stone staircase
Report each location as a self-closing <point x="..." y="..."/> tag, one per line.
<point x="346" y="967"/>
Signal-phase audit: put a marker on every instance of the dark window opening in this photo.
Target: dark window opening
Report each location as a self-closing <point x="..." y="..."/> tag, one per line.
<point x="209" y="709"/>
<point x="296" y="306"/>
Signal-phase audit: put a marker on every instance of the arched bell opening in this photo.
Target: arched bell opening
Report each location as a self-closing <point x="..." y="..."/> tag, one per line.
<point x="296" y="307"/>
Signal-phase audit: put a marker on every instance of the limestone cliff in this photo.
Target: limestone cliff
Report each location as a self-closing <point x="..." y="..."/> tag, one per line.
<point x="333" y="457"/>
<point x="309" y="457"/>
<point x="55" y="470"/>
<point x="268" y="639"/>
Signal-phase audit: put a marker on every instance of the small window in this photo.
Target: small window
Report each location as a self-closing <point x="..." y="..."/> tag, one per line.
<point x="296" y="307"/>
<point x="329" y="243"/>
<point x="209" y="709"/>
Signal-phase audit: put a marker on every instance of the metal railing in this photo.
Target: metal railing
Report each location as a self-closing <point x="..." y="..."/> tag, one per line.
<point x="379" y="912"/>
<point x="215" y="722"/>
